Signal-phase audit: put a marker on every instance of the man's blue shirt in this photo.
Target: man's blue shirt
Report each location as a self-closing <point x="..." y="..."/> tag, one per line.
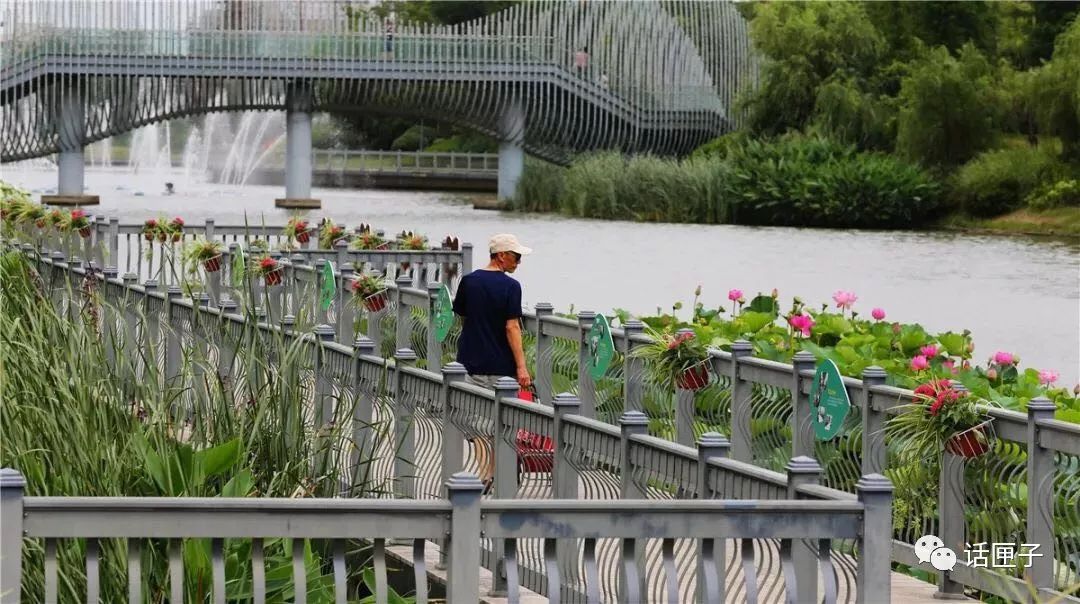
<point x="487" y="300"/>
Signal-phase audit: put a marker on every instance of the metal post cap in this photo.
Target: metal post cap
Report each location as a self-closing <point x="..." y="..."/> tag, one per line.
<point x="405" y="354"/>
<point x="874" y="483"/>
<point x="633" y="418"/>
<point x="713" y="440"/>
<point x="464" y="481"/>
<point x="453" y="368"/>
<point x="741" y="348"/>
<point x="566" y="399"/>
<point x="803" y="465"/>
<point x="364" y="342"/>
<point x="11" y="478"/>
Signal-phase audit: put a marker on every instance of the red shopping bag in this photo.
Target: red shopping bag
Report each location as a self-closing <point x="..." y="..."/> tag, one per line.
<point x="536" y="453"/>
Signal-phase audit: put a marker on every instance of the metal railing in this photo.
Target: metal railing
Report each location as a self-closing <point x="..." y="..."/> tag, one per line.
<point x="405" y="162"/>
<point x="461" y="519"/>
<point x="588" y="458"/>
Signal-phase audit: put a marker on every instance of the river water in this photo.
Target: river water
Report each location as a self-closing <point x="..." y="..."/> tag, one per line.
<point x="1014" y="293"/>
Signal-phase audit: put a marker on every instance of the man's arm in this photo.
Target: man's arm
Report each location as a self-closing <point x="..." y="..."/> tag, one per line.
<point x="513" y="335"/>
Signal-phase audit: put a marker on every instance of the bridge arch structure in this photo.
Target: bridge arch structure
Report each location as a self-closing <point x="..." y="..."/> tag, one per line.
<point x="547" y="77"/>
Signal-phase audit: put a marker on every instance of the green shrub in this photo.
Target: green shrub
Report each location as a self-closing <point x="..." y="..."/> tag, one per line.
<point x="996" y="182"/>
<point x="540" y="188"/>
<point x="802" y="181"/>
<point x="1064" y="193"/>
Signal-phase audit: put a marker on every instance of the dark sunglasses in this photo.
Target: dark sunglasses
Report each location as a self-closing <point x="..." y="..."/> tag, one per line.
<point x="517" y="257"/>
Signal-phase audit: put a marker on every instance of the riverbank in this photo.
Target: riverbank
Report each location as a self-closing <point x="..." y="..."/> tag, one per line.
<point x="1057" y="222"/>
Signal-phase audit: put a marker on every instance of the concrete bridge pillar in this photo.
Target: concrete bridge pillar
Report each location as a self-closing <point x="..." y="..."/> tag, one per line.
<point x="511" y="151"/>
<point x="299" y="103"/>
<point x="71" y="129"/>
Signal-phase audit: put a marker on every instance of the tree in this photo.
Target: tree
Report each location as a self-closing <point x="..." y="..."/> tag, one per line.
<point x="948" y="107"/>
<point x="1057" y="93"/>
<point x="804" y="45"/>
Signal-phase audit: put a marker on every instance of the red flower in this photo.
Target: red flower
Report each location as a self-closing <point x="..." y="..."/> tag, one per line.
<point x="177" y="222"/>
<point x="679" y="339"/>
<point x="151" y="223"/>
<point x="268" y="264"/>
<point x="75" y="214"/>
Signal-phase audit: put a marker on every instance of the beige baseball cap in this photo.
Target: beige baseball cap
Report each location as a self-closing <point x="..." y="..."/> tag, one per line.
<point x="507" y="243"/>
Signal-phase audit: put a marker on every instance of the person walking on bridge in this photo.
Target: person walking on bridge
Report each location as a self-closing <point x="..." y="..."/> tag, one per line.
<point x="489" y="302"/>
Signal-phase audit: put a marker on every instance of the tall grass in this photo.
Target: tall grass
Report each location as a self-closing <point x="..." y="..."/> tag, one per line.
<point x="79" y="418"/>
<point x="802" y="181"/>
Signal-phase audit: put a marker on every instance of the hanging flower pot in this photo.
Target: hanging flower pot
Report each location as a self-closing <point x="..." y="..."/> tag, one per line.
<point x="376" y="302"/>
<point x="693" y="378"/>
<point x="970" y="443"/>
<point x="80" y="223"/>
<point x="40" y="223"/>
<point x="303" y="236"/>
<point x="212" y="265"/>
<point x="273" y="277"/>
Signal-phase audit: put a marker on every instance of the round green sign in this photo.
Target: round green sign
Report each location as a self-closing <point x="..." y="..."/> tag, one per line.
<point x="601" y="347"/>
<point x="829" y="401"/>
<point x="443" y="313"/>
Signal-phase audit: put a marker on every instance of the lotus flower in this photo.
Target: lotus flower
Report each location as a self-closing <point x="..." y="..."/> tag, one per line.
<point x="929" y="351"/>
<point x="844" y="299"/>
<point x="734" y="295"/>
<point x="1047" y="377"/>
<point x="919" y="363"/>
<point x="1005" y="358"/>
<point x="878" y="314"/>
<point x="802" y="323"/>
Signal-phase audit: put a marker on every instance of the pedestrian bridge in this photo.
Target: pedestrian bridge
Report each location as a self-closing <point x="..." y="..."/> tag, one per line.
<point x="552" y="78"/>
<point x="604" y="489"/>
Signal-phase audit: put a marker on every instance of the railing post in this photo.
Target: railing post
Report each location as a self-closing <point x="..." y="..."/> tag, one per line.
<point x="632" y="423"/>
<point x="564" y="476"/>
<point x="402" y="328"/>
<point x="466" y="259"/>
<point x="951" y="522"/>
<point x="100" y="225"/>
<point x="586" y="386"/>
<point x="173" y="352"/>
<point x="802" y="471"/>
<point x="324" y="404"/>
<point x="1040" y="490"/>
<point x="299" y="289"/>
<point x="711" y="445"/>
<point x="12" y="487"/>
<point x="321" y="316"/>
<point x="213" y="283"/>
<point x="226" y="345"/>
<point x="633" y="368"/>
<point x="363" y="416"/>
<point x="453" y="440"/>
<point x="564" y="483"/>
<point x="128" y="319"/>
<point x="463" y="579"/>
<point x="151" y="331"/>
<point x="684" y="409"/>
<point x="544" y="358"/>
<point x="506" y="479"/>
<point x="434" y="346"/>
<point x="404" y="430"/>
<point x="346" y="311"/>
<point x="873" y="422"/>
<point x="342" y="249"/>
<point x="802" y="435"/>
<point x="741" y="393"/>
<point x="114" y="242"/>
<point x="111" y="335"/>
<point x="874" y="577"/>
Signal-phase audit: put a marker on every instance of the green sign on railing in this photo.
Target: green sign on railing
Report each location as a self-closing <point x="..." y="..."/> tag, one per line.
<point x="601" y="348"/>
<point x="829" y="401"/>
<point x="443" y="315"/>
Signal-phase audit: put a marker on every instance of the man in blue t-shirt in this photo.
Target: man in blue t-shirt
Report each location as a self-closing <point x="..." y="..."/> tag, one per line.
<point x="489" y="301"/>
<point x="490" y="347"/>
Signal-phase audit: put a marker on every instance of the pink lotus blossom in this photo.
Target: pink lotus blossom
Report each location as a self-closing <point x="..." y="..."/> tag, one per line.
<point x="950" y="365"/>
<point x="919" y="363"/>
<point x="802" y="323"/>
<point x="844" y="299"/>
<point x="1047" y="377"/>
<point x="734" y="295"/>
<point x="878" y="314"/>
<point x="1004" y="358"/>
<point x="929" y="351"/>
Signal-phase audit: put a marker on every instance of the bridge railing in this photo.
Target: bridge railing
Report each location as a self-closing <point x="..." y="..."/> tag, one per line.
<point x="342" y="524"/>
<point x="763" y="405"/>
<point x="405" y="162"/>
<point x="538" y="452"/>
<point x="1033" y="451"/>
